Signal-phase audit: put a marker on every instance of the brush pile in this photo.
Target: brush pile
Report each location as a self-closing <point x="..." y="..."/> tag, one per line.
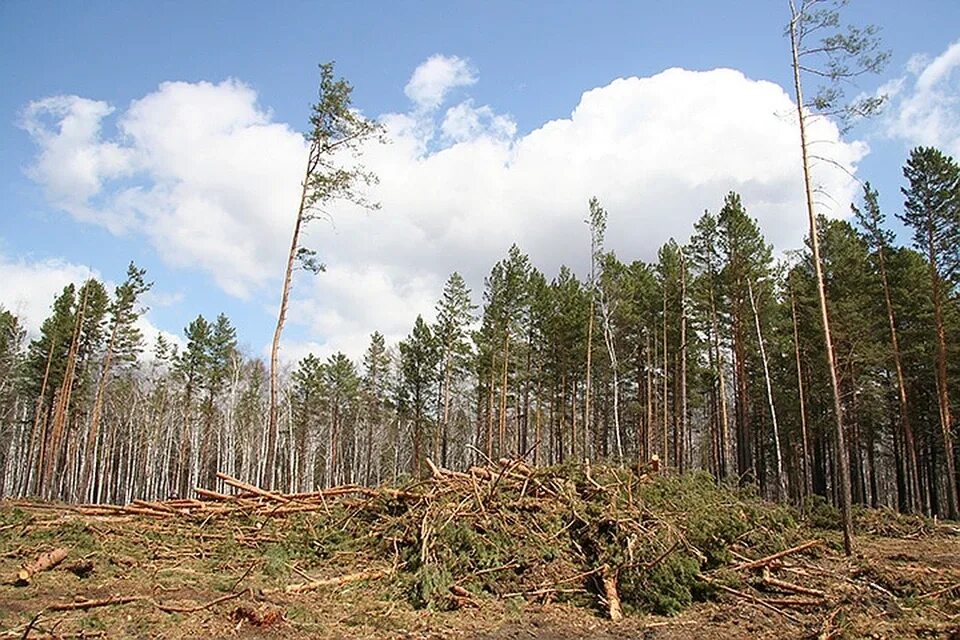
<point x="609" y="537"/>
<point x="598" y="540"/>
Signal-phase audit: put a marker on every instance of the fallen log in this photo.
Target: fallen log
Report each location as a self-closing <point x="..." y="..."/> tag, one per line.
<point x="783" y="585"/>
<point x="243" y="486"/>
<point x="43" y="562"/>
<point x="762" y="562"/>
<point x="301" y="587"/>
<point x="83" y="605"/>
<point x="614" y="608"/>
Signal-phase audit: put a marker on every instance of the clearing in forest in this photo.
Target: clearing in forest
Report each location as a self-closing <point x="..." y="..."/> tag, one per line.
<point x="501" y="551"/>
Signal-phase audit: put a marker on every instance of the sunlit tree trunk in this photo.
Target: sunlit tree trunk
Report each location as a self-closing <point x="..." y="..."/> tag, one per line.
<point x="843" y="473"/>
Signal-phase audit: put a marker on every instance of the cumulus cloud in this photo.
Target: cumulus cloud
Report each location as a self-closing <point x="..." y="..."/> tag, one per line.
<point x="435" y="77"/>
<point x="211" y="182"/>
<point x="925" y="107"/>
<point x="209" y="175"/>
<point x="28" y="289"/>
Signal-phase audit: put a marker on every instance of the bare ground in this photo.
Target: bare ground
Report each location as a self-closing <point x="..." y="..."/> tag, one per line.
<point x="167" y="578"/>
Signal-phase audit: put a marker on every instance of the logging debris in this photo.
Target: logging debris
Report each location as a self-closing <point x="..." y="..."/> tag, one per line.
<point x="614" y="542"/>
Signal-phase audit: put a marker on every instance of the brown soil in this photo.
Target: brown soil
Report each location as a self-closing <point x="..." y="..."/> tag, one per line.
<point x="894" y="587"/>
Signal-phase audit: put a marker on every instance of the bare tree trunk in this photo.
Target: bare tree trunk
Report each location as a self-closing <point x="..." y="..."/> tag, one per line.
<point x="38" y="439"/>
<point x="587" y="411"/>
<point x="272" y="427"/>
<point x="843" y="461"/>
<point x="666" y="365"/>
<point x="614" y="365"/>
<point x="94" y="431"/>
<point x="502" y="431"/>
<point x="446" y="414"/>
<point x="683" y="361"/>
<point x="943" y="398"/>
<point x="725" y="454"/>
<point x="63" y="403"/>
<point x="490" y="394"/>
<point x="909" y="442"/>
<point x="807" y="476"/>
<point x="781" y="476"/>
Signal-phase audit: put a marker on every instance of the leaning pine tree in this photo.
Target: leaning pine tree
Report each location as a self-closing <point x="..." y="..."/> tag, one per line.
<point x="837" y="57"/>
<point x="336" y="131"/>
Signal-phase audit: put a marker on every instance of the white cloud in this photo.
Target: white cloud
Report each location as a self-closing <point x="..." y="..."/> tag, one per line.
<point x="74" y="163"/>
<point x="28" y="289"/>
<point x="211" y="181"/>
<point x="925" y="109"/>
<point x="217" y="183"/>
<point x="465" y="122"/>
<point x="435" y="77"/>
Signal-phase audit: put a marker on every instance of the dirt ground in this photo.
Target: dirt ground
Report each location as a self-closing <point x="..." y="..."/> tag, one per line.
<point x="145" y="577"/>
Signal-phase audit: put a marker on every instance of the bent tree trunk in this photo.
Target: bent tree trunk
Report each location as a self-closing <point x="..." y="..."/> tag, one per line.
<point x="269" y="472"/>
<point x="843" y="462"/>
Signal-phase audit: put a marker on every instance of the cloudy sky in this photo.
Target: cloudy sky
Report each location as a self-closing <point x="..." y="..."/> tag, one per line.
<point x="171" y="134"/>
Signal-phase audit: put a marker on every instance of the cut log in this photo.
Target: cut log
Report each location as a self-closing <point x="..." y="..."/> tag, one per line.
<point x="610" y="592"/>
<point x="762" y="562"/>
<point x="301" y="587"/>
<point x="243" y="486"/>
<point x="43" y="562"/>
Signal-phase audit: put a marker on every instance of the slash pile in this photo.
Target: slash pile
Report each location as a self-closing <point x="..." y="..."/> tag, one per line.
<point x="613" y="541"/>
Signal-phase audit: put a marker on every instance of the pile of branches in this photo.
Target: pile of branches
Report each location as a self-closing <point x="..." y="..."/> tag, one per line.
<point x="611" y="538"/>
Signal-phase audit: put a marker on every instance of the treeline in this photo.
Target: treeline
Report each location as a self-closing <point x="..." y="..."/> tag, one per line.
<point x="710" y="358"/>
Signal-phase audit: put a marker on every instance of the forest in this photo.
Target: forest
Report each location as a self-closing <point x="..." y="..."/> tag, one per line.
<point x="728" y="440"/>
<point x="709" y="358"/>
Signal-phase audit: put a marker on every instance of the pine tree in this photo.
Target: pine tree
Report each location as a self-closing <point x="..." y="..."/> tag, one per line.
<point x="374" y="386"/>
<point x="454" y="316"/>
<point x="123" y="347"/>
<point x="418" y="366"/>
<point x="844" y="54"/>
<point x="932" y="211"/>
<point x="335" y="128"/>
<point x="871" y="220"/>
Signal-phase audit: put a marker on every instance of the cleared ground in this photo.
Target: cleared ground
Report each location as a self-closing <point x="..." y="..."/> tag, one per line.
<point x="514" y="553"/>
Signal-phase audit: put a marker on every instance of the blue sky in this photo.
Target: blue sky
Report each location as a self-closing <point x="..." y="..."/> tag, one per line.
<point x="462" y="179"/>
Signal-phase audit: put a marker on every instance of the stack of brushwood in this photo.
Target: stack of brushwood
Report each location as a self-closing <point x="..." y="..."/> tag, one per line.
<point x="615" y="539"/>
<point x="612" y="538"/>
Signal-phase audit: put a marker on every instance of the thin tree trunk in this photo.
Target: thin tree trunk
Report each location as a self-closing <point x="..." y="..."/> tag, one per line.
<point x="490" y="394"/>
<point x="272" y="427"/>
<point x="807" y="476"/>
<point x="446" y="413"/>
<point x="666" y="366"/>
<point x="38" y="439"/>
<point x="781" y="476"/>
<point x="501" y="433"/>
<point x="94" y="430"/>
<point x="725" y="454"/>
<point x="614" y="365"/>
<point x="843" y="462"/>
<point x="648" y="432"/>
<point x="683" y="361"/>
<point x="587" y="412"/>
<point x="909" y="442"/>
<point x="943" y="398"/>
<point x="63" y="402"/>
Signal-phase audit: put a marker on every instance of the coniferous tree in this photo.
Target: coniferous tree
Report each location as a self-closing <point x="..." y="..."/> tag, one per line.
<point x="418" y="365"/>
<point x="932" y="211"/>
<point x="335" y="127"/>
<point x="454" y="316"/>
<point x="871" y="220"/>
